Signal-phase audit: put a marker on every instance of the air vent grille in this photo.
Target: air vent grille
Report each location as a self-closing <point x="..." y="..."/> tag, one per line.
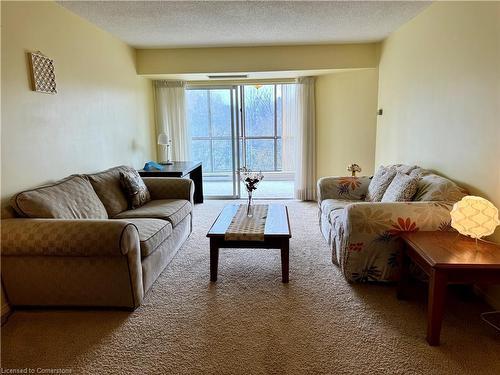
<point x="227" y="76"/>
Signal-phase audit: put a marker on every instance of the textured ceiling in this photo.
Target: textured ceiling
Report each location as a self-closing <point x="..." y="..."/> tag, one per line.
<point x="155" y="24"/>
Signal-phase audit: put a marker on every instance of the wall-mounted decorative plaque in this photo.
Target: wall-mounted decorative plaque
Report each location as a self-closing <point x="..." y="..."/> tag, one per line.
<point x="43" y="76"/>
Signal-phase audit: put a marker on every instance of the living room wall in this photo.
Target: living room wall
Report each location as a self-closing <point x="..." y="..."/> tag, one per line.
<point x="101" y="116"/>
<point x="439" y="87"/>
<point x="346" y="119"/>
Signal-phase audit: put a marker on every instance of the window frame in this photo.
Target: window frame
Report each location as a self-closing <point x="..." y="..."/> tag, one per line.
<point x="241" y="136"/>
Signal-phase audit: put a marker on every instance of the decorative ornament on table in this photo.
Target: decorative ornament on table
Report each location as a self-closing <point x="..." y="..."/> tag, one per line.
<point x="251" y="180"/>
<point x="474" y="216"/>
<point x="353" y="168"/>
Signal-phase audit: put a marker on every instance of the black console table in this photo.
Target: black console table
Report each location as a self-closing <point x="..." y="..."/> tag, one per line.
<point x="190" y="169"/>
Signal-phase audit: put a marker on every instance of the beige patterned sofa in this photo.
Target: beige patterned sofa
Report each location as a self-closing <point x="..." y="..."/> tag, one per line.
<point x="364" y="235"/>
<point x="76" y="243"/>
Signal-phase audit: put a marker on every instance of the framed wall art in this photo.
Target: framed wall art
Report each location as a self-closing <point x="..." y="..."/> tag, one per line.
<point x="43" y="76"/>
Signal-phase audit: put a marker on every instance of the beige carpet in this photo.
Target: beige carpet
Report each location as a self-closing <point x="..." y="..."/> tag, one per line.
<point x="250" y="323"/>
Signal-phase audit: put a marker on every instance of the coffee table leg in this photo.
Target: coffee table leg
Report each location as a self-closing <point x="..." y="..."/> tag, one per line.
<point x="284" y="261"/>
<point x="214" y="259"/>
<point x="437" y="296"/>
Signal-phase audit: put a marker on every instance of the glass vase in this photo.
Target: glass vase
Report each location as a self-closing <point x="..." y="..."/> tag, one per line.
<point x="249" y="205"/>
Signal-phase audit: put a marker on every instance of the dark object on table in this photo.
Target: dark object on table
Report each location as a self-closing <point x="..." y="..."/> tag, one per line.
<point x="189" y="169"/>
<point x="447" y="257"/>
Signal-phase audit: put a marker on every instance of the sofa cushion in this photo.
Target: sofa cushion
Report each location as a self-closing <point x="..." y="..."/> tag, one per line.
<point x="432" y="187"/>
<point x="152" y="232"/>
<point x="379" y="183"/>
<point x="70" y="198"/>
<point x="135" y="189"/>
<point x="330" y="205"/>
<point x="108" y="187"/>
<point x="173" y="210"/>
<point x="401" y="189"/>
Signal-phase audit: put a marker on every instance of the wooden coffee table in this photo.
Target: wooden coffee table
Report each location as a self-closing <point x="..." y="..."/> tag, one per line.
<point x="447" y="257"/>
<point x="277" y="235"/>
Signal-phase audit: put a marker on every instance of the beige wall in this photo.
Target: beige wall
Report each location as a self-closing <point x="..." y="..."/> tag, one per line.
<point x="256" y="59"/>
<point x="346" y="106"/>
<point x="439" y="86"/>
<point x="101" y="116"/>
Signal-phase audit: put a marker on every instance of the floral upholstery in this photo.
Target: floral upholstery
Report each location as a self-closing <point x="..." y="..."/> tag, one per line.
<point x="352" y="188"/>
<point x="432" y="187"/>
<point x="364" y="236"/>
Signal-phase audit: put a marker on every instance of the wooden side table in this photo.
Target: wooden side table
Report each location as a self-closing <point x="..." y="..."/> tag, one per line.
<point x="447" y="257"/>
<point x="190" y="169"/>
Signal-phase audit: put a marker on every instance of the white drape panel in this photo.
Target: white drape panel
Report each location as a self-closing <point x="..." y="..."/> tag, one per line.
<point x="305" y="161"/>
<point x="290" y="118"/>
<point x="170" y="108"/>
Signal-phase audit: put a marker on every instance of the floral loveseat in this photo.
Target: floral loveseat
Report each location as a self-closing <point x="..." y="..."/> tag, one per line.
<point x="364" y="235"/>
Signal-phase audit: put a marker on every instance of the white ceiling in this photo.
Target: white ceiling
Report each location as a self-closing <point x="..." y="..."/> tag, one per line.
<point x="164" y="24"/>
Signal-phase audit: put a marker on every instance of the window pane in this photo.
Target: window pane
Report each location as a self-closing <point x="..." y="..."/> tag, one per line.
<point x="197" y="112"/>
<point x="279" y="111"/>
<point x="201" y="152"/>
<point x="260" y="154"/>
<point x="220" y="111"/>
<point x="259" y="110"/>
<point x="223" y="155"/>
<point x="279" y="155"/>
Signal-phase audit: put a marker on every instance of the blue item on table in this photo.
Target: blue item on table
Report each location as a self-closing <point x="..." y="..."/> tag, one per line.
<point x="152" y="165"/>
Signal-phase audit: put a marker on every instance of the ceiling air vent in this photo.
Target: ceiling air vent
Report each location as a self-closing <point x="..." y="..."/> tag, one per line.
<point x="227" y="76"/>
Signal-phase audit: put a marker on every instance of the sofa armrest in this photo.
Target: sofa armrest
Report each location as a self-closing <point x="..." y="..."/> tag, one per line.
<point x="392" y="218"/>
<point x="352" y="188"/>
<point x="56" y="237"/>
<point x="366" y="236"/>
<point x="170" y="188"/>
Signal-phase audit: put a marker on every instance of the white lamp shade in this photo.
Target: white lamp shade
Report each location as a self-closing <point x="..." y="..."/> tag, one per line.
<point x="162" y="139"/>
<point x="474" y="216"/>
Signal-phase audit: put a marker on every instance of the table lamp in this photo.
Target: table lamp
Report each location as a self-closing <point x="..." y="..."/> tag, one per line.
<point x="165" y="143"/>
<point x="474" y="216"/>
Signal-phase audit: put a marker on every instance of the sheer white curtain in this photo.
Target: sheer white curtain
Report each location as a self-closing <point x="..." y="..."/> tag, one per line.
<point x="305" y="168"/>
<point x="170" y="108"/>
<point x="290" y="125"/>
<point x="299" y="136"/>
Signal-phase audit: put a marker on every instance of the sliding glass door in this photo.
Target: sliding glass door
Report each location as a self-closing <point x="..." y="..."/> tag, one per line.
<point x="211" y="114"/>
<point x="234" y="127"/>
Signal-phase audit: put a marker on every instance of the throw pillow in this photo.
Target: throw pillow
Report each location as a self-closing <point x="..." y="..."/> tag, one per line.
<point x="401" y="189"/>
<point x="135" y="189"/>
<point x="379" y="183"/>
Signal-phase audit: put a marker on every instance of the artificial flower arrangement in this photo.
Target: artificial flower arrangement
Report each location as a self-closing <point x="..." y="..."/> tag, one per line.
<point x="251" y="180"/>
